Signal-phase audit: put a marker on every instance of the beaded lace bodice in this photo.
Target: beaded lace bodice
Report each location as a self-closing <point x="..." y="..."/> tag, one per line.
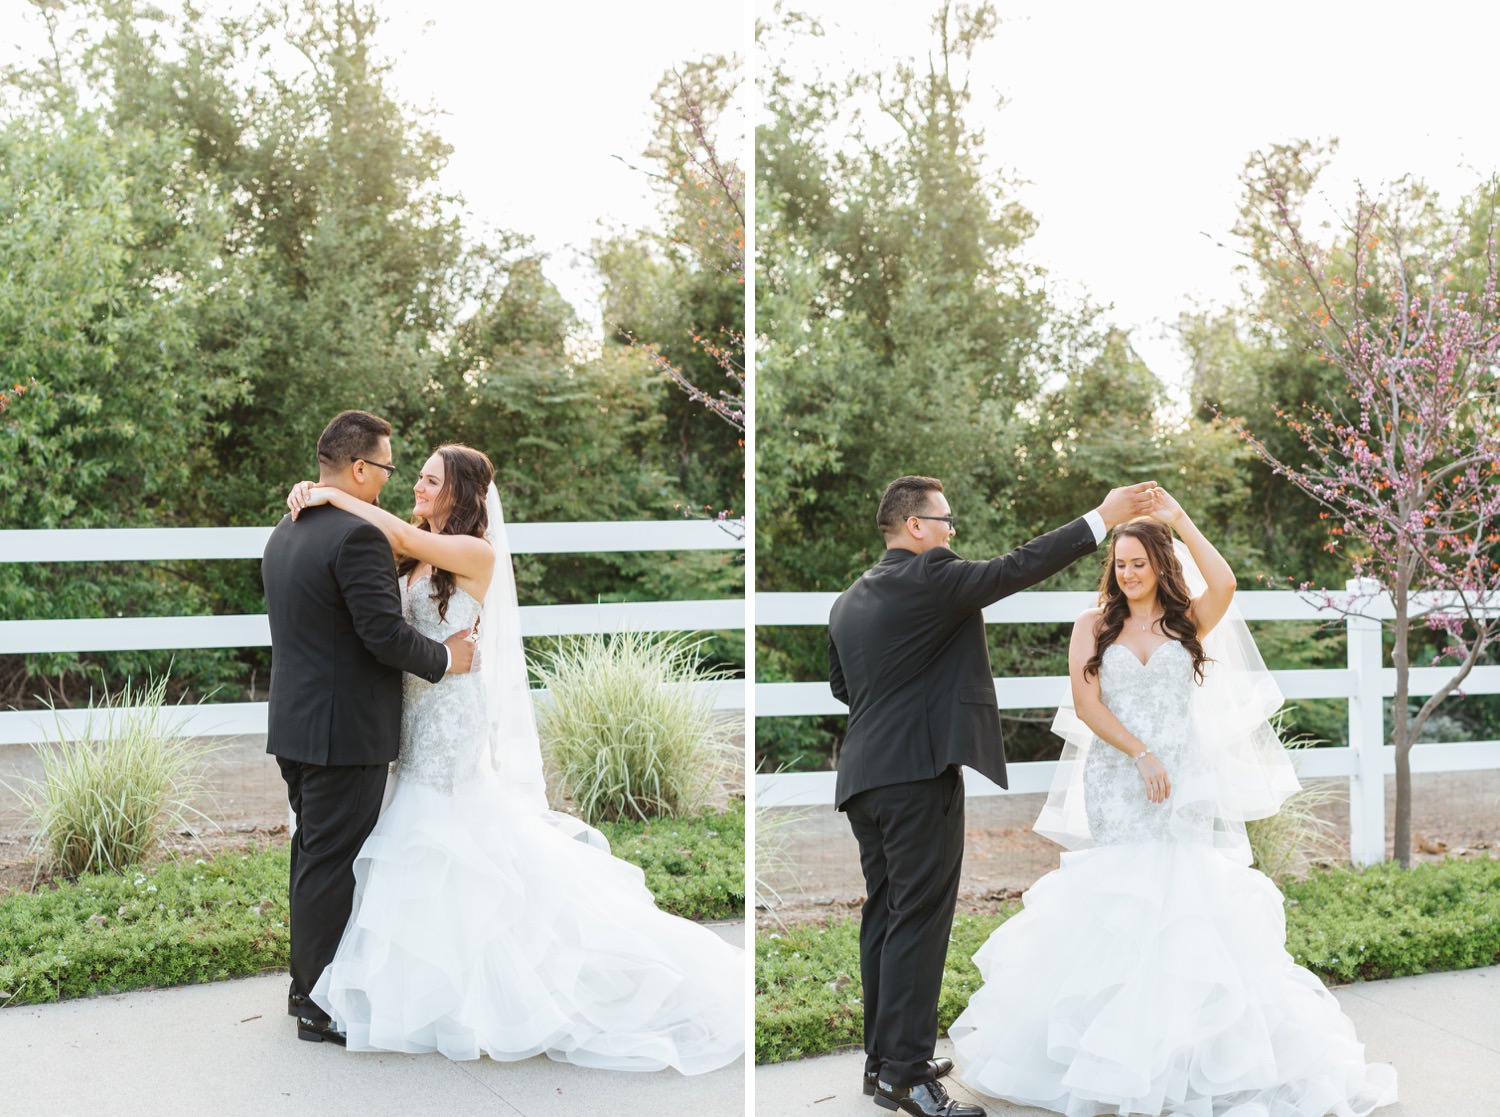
<point x="1151" y="700"/>
<point x="443" y="734"/>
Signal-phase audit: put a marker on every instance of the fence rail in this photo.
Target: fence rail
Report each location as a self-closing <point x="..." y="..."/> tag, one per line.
<point x="1363" y="684"/>
<point x="137" y="544"/>
<point x="105" y="634"/>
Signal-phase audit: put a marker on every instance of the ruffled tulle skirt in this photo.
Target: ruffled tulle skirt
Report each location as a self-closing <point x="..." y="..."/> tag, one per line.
<point x="479" y="928"/>
<point x="1152" y="978"/>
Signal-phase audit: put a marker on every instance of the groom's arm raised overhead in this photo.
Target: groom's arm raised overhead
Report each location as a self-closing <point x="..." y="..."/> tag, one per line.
<point x="975" y="584"/>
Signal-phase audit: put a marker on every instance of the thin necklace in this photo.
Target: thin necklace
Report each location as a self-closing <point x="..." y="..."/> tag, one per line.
<point x="1146" y="626"/>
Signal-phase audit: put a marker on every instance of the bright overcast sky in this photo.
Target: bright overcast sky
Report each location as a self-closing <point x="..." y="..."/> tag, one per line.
<point x="539" y="100"/>
<point x="1132" y="121"/>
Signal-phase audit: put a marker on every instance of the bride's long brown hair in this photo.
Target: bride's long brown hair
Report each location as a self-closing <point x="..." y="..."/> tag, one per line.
<point x="467" y="474"/>
<point x="1171" y="594"/>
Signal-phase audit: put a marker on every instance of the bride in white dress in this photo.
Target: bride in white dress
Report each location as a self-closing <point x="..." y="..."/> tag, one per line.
<point x="1149" y="974"/>
<point x="482" y="922"/>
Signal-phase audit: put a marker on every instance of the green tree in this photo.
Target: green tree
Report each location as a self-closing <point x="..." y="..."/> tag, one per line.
<point x="215" y="233"/>
<point x="1250" y="362"/>
<point x="902" y="332"/>
<point x="202" y="267"/>
<point x="898" y="330"/>
<point x="677" y="292"/>
<point x="101" y="274"/>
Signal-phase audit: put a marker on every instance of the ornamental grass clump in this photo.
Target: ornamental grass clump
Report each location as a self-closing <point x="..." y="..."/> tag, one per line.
<point x="625" y="728"/>
<point x="1296" y="838"/>
<point x="774" y="829"/>
<point x="106" y="797"/>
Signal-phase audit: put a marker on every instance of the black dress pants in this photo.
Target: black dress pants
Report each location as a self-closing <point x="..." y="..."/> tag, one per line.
<point x="911" y="848"/>
<point x="336" y="808"/>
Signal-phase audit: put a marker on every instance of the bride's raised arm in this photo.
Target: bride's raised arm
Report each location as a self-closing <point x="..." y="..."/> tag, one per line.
<point x="1210" y="606"/>
<point x="464" y="556"/>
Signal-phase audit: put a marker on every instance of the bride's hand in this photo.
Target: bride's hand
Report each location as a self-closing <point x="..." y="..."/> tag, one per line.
<point x="1164" y="507"/>
<point x="1154" y="776"/>
<point x="305" y="494"/>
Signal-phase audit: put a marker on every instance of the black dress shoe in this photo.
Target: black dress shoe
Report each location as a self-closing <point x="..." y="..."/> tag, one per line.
<point x="317" y="1031"/>
<point x="940" y="1068"/>
<point x="296" y="1004"/>
<point x="925" y="1099"/>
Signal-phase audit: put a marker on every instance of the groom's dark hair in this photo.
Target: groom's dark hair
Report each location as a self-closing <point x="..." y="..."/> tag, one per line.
<point x="351" y="434"/>
<point x="905" y="496"/>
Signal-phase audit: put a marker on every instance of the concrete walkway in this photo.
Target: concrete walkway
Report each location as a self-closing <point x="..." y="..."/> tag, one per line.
<point x="1442" y="1031"/>
<point x="229" y="1049"/>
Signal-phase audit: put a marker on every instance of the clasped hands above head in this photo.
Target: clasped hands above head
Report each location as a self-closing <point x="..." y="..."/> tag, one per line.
<point x="1145" y="498"/>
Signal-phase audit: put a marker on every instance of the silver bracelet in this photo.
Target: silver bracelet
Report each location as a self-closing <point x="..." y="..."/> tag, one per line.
<point x="1143" y="752"/>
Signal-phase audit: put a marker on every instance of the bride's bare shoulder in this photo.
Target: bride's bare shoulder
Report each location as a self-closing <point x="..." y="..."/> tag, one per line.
<point x="1086" y="630"/>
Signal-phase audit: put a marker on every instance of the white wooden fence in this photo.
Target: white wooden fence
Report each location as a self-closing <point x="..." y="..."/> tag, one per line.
<point x="1362" y="684"/>
<point x="103" y="634"/>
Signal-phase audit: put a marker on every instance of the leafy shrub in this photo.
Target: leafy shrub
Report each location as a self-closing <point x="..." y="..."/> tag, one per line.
<point x="624" y="728"/>
<point x="808" y="997"/>
<point x="695" y="867"/>
<point x="1386" y="921"/>
<point x="169" y="925"/>
<point x="184" y="922"/>
<point x="105" y="799"/>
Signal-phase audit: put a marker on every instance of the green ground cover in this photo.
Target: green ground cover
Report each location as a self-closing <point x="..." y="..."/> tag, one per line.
<point x="203" y="919"/>
<point x="1343" y="924"/>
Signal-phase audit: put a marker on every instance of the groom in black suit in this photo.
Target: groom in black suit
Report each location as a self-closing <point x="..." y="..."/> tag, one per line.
<point x="338" y="648"/>
<point x="907" y="654"/>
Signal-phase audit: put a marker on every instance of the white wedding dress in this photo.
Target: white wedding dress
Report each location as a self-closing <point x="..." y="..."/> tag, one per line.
<point x="1149" y="975"/>
<point x="480" y="927"/>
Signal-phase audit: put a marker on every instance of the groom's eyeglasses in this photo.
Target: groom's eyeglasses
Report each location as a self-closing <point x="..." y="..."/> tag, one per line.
<point x="946" y="519"/>
<point x="390" y="470"/>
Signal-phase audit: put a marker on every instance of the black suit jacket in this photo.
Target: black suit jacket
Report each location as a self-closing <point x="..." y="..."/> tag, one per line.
<point x="338" y="642"/>
<point x="907" y="654"/>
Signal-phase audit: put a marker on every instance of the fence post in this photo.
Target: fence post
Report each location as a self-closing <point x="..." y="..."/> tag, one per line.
<point x="1366" y="735"/>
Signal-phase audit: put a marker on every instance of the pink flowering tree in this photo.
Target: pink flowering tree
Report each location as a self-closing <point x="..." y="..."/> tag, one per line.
<point x="1407" y="463"/>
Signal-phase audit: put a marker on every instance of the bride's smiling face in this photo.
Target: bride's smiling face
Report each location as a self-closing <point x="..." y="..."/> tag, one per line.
<point x="1133" y="573"/>
<point x="428" y="489"/>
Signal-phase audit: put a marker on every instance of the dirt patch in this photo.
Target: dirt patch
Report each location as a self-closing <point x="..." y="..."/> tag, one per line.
<point x="812" y="861"/>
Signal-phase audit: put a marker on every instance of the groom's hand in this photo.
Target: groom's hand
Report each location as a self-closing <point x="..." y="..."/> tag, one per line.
<point x="465" y="658"/>
<point x="1126" y="504"/>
